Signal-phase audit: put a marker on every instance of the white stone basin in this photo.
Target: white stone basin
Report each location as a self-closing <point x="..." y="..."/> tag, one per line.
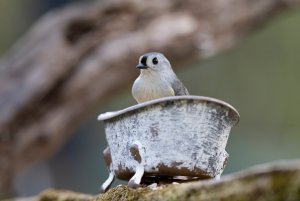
<point x="167" y="138"/>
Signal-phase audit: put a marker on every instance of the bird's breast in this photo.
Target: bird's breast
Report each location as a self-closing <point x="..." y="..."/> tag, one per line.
<point x="145" y="90"/>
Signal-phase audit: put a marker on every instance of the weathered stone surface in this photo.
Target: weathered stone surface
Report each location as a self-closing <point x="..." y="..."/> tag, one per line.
<point x="271" y="182"/>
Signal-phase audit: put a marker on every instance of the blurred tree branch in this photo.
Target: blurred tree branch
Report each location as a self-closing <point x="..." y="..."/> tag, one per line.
<point x="76" y="58"/>
<point x="269" y="182"/>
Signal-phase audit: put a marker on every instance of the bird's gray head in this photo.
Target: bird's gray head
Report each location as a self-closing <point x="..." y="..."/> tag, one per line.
<point x="153" y="61"/>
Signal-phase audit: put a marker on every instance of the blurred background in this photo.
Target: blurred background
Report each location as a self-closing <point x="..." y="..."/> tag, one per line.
<point x="260" y="78"/>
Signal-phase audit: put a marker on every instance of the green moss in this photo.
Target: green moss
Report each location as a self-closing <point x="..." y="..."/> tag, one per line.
<point x="123" y="192"/>
<point x="55" y="195"/>
<point x="286" y="186"/>
<point x="168" y="193"/>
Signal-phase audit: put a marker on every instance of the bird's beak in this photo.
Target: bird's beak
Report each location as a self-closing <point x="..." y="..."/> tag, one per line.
<point x="141" y="66"/>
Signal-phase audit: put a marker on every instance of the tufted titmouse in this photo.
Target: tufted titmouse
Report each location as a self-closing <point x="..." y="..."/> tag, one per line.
<point x="157" y="79"/>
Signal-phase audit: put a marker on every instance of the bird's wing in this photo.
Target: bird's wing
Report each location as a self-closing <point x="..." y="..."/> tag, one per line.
<point x="179" y="88"/>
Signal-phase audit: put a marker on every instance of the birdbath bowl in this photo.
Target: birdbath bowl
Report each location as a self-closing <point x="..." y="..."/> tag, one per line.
<point x="172" y="138"/>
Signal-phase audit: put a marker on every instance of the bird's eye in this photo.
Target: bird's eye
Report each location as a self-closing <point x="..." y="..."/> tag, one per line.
<point x="154" y="61"/>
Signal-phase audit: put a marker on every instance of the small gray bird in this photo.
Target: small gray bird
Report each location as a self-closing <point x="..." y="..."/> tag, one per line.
<point x="157" y="79"/>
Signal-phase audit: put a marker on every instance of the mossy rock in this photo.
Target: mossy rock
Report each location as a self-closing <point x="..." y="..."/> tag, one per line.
<point x="273" y="182"/>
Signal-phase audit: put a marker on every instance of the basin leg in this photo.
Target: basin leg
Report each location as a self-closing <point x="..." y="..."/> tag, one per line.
<point x="136" y="151"/>
<point x="107" y="183"/>
<point x="218" y="177"/>
<point x="111" y="177"/>
<point x="135" y="181"/>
